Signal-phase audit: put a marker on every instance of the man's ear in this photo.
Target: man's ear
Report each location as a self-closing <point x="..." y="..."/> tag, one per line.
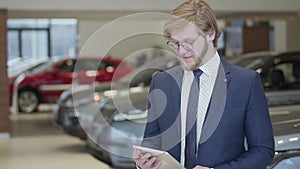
<point x="211" y="36"/>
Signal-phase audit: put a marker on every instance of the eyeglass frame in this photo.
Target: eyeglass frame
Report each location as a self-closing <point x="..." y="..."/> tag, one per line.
<point x="185" y="45"/>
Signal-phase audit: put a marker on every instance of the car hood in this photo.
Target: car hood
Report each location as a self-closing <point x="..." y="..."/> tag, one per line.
<point x="286" y="127"/>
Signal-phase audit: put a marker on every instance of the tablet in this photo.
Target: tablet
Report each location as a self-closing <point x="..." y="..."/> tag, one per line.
<point x="167" y="160"/>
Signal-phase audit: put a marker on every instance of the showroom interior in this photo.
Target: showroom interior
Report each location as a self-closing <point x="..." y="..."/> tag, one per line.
<point x="36" y="32"/>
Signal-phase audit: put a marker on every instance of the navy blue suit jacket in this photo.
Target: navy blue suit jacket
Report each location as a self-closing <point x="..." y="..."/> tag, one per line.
<point x="238" y="111"/>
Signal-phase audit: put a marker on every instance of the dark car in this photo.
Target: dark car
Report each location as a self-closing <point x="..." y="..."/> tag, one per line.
<point x="74" y="100"/>
<point x="279" y="72"/>
<point x="45" y="83"/>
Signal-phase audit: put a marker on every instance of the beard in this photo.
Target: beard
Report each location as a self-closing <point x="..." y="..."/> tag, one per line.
<point x="191" y="65"/>
<point x="196" y="60"/>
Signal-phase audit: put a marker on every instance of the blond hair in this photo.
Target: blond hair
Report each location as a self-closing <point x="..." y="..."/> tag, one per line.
<point x="196" y="12"/>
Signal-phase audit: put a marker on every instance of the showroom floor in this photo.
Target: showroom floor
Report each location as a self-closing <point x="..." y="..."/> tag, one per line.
<point x="36" y="144"/>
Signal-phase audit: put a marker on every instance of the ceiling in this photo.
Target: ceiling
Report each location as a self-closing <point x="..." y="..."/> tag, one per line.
<point x="104" y="9"/>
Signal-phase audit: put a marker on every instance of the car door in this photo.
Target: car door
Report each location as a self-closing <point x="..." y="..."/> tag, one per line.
<point x="57" y="79"/>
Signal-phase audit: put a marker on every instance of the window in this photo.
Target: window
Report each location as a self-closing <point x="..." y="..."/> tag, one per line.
<point x="41" y="38"/>
<point x="63" y="37"/>
<point x="34" y="43"/>
<point x="13" y="44"/>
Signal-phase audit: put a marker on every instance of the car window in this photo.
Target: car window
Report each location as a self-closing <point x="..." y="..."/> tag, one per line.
<point x="41" y="68"/>
<point x="37" y="66"/>
<point x="289" y="163"/>
<point x="102" y="66"/>
<point x="163" y="63"/>
<point x="253" y="62"/>
<point x="285" y="76"/>
<point x="87" y="64"/>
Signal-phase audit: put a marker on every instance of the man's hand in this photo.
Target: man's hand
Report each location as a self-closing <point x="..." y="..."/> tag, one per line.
<point x="146" y="161"/>
<point x="200" y="167"/>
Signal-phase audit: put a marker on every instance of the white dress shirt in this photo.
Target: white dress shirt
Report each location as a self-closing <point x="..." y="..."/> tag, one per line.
<point x="207" y="82"/>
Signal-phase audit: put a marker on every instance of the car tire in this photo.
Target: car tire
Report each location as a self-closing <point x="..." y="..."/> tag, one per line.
<point x="28" y="101"/>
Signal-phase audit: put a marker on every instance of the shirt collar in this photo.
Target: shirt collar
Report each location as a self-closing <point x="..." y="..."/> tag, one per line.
<point x="212" y="65"/>
<point x="209" y="67"/>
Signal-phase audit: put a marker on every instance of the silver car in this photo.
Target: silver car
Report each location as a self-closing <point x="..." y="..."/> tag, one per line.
<point x="279" y="73"/>
<point x="119" y="128"/>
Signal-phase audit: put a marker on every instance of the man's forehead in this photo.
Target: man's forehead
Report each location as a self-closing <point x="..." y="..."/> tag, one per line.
<point x="187" y="32"/>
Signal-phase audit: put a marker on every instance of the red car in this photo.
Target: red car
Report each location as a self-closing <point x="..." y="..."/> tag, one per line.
<point x="45" y="83"/>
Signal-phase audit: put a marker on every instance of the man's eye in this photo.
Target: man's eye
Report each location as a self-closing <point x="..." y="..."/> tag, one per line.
<point x="188" y="42"/>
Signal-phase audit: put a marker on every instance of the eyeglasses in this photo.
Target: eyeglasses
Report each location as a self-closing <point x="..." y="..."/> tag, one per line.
<point x="185" y="45"/>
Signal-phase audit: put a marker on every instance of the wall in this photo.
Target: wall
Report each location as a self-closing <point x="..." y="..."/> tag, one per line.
<point x="146" y="5"/>
<point x="255" y="38"/>
<point x="121" y="37"/>
<point x="287" y="36"/>
<point x="293" y="35"/>
<point x="280" y="35"/>
<point x="4" y="118"/>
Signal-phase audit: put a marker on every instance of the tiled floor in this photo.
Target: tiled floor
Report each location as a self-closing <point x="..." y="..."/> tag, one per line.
<point x="37" y="144"/>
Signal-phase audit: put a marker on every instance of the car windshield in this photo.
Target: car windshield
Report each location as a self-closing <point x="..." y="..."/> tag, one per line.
<point x="36" y="66"/>
<point x="42" y="67"/>
<point x="253" y="62"/>
<point x="144" y="73"/>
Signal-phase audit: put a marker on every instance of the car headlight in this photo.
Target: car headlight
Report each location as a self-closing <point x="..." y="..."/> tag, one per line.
<point x="69" y="102"/>
<point x="135" y="114"/>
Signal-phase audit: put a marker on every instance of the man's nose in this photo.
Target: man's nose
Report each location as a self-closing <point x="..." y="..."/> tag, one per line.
<point x="181" y="50"/>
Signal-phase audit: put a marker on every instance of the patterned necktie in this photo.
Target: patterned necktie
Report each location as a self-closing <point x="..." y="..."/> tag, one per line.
<point x="191" y="125"/>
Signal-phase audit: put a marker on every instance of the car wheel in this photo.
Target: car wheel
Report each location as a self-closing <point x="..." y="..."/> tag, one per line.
<point x="28" y="101"/>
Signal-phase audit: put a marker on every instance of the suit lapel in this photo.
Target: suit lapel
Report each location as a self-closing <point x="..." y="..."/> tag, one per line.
<point x="176" y="97"/>
<point x="217" y="102"/>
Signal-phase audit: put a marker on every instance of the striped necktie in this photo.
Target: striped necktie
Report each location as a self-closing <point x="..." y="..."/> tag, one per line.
<point x="191" y="125"/>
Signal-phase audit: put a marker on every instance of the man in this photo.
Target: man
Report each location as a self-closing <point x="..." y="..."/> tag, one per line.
<point x="208" y="130"/>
